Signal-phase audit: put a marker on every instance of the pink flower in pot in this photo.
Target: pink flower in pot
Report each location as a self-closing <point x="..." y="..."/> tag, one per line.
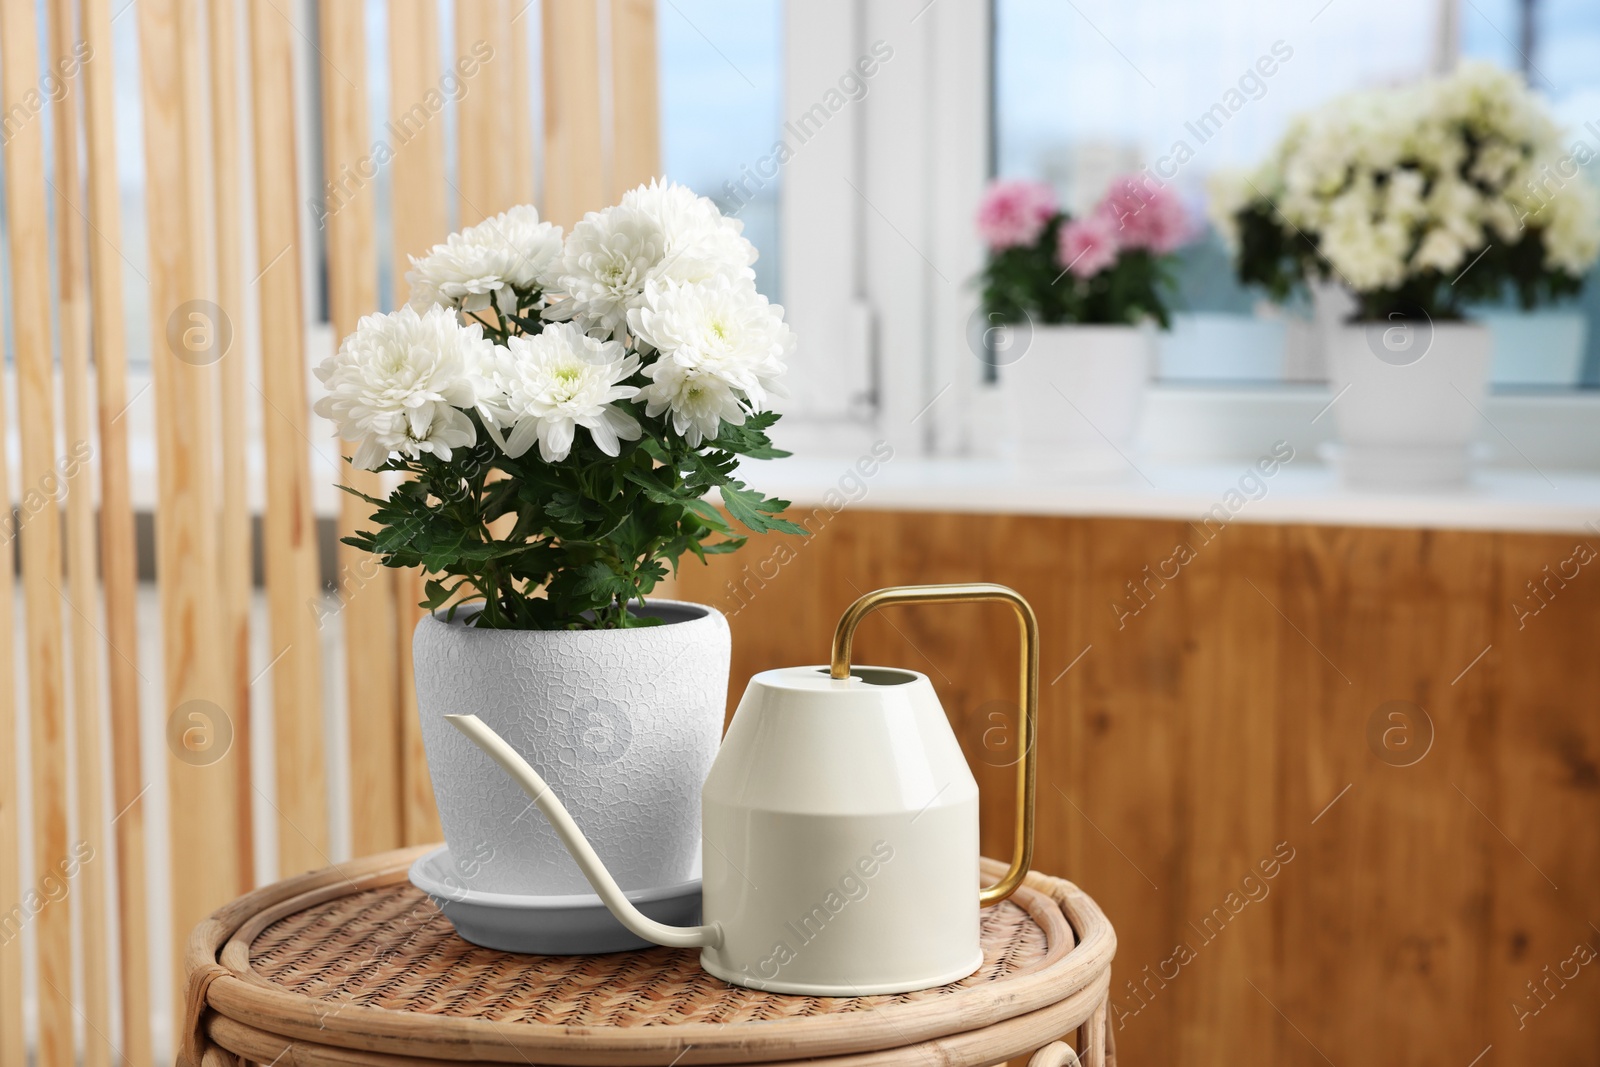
<point x="1145" y="215"/>
<point x="1014" y="212"/>
<point x="1088" y="245"/>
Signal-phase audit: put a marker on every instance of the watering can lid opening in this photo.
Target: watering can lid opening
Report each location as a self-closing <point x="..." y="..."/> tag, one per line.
<point x="818" y="678"/>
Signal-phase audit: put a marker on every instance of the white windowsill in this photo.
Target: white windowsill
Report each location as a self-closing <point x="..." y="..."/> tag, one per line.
<point x="1540" y="468"/>
<point x="1304" y="491"/>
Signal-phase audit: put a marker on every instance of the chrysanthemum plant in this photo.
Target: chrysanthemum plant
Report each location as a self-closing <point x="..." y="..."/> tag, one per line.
<point x="1452" y="192"/>
<point x="1111" y="266"/>
<point x="556" y="410"/>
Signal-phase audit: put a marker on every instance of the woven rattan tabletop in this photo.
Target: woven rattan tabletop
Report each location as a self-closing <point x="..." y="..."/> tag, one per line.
<point x="353" y="965"/>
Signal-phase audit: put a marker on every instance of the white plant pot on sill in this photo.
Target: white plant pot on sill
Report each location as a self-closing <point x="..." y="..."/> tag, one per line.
<point x="1408" y="402"/>
<point x="1075" y="394"/>
<point x="623" y="724"/>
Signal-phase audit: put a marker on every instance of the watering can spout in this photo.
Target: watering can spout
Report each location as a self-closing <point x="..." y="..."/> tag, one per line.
<point x="575" y="843"/>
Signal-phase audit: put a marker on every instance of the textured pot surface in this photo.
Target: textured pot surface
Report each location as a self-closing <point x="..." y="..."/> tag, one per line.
<point x="1409" y="400"/>
<point x="1076" y="393"/>
<point x="623" y="724"/>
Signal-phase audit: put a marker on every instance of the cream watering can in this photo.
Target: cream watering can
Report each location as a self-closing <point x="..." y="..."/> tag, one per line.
<point x="839" y="823"/>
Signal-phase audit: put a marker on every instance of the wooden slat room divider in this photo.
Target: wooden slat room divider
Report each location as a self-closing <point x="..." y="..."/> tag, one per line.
<point x="225" y="92"/>
<point x="118" y="559"/>
<point x="420" y="215"/>
<point x="72" y="320"/>
<point x="39" y="529"/>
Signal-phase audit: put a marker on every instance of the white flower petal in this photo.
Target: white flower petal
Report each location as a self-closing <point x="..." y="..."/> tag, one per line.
<point x="523" y="435"/>
<point x="555" y="440"/>
<point x="557" y="380"/>
<point x="397" y="384"/>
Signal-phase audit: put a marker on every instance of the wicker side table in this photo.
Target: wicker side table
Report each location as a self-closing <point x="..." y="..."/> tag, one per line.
<point x="353" y="967"/>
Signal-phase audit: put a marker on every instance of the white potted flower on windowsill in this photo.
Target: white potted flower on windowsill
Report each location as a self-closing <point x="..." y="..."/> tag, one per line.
<point x="555" y="410"/>
<point x="1421" y="202"/>
<point x="1076" y="301"/>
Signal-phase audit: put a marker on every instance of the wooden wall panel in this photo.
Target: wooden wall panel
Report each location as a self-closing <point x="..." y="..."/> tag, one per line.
<point x="1371" y="910"/>
<point x="1216" y="730"/>
<point x="1541" y="803"/>
<point x="83" y="587"/>
<point x="365" y="587"/>
<point x="289" y="526"/>
<point x="118" y="561"/>
<point x="40" y="533"/>
<point x="419" y="220"/>
<point x="574" y="181"/>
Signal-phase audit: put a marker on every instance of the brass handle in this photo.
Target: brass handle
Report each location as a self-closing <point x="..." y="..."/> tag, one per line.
<point x="1027" y="773"/>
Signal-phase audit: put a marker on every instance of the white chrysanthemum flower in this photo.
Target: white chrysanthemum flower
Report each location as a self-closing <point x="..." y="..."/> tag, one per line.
<point x="698" y="399"/>
<point x="700" y="242"/>
<point x="720" y="327"/>
<point x="609" y="256"/>
<point x="553" y="382"/>
<point x="1440" y="250"/>
<point x="659" y="232"/>
<point x="399" y="384"/>
<point x="1229" y="192"/>
<point x="1395" y="183"/>
<point x="1366" y="256"/>
<point x="1572" y="228"/>
<point x="488" y="263"/>
<point x="1403" y="195"/>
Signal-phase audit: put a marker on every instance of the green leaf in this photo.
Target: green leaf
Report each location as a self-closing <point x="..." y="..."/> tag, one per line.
<point x="709" y="515"/>
<point x="756" y="512"/>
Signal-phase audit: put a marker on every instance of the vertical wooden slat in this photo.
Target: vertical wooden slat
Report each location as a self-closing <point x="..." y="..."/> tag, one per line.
<point x="234" y="559"/>
<point x="289" y="529"/>
<point x="487" y="169"/>
<point x="13" y="1052"/>
<point x="520" y="103"/>
<point x="118" y="560"/>
<point x="204" y="821"/>
<point x="41" y="526"/>
<point x="419" y="221"/>
<point x="573" y="179"/>
<point x="635" y="101"/>
<point x="365" y="587"/>
<point x="82" y="567"/>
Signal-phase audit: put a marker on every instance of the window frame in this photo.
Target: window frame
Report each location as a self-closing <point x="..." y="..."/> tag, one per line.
<point x="879" y="251"/>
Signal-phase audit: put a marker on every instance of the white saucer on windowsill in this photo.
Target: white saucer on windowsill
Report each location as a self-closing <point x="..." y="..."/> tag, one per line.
<point x="547" y="925"/>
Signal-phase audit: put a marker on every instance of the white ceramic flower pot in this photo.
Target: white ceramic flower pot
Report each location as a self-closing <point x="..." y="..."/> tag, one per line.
<point x="623" y="724"/>
<point x="1409" y="401"/>
<point x="1075" y="395"/>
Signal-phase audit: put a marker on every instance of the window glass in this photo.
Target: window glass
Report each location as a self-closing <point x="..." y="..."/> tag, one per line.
<point x="1089" y="90"/>
<point x="1554" y="43"/>
<point x="721" y="98"/>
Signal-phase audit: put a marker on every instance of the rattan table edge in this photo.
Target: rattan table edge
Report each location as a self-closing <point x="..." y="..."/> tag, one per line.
<point x="234" y="991"/>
